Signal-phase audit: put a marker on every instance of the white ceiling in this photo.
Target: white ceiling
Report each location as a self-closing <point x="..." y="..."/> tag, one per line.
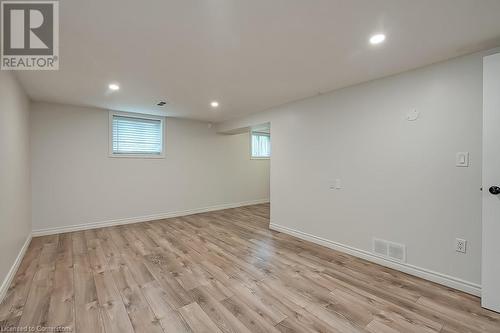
<point x="249" y="55"/>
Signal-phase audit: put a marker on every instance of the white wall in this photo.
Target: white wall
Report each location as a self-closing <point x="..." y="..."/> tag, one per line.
<point x="75" y="182"/>
<point x="399" y="177"/>
<point x="15" y="191"/>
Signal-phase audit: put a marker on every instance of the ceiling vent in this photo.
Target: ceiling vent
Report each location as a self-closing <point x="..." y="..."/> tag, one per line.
<point x="389" y="250"/>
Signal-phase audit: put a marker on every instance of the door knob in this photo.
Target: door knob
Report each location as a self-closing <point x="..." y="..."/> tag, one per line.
<point x="495" y="190"/>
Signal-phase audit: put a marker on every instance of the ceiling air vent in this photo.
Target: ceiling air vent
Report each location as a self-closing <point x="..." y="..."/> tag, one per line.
<point x="390" y="250"/>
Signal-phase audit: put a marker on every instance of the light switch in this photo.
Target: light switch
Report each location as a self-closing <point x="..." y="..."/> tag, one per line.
<point x="462" y="159"/>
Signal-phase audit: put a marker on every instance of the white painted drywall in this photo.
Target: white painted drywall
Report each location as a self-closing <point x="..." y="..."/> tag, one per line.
<point x="76" y="182"/>
<point x="15" y="188"/>
<point x="399" y="178"/>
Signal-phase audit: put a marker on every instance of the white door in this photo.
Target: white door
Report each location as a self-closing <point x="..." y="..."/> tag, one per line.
<point x="491" y="183"/>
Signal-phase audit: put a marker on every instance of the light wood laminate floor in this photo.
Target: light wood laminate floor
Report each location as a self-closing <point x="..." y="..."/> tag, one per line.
<point x="222" y="271"/>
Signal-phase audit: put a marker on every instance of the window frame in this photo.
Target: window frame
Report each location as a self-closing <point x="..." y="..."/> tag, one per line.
<point x="250" y="139"/>
<point x="138" y="116"/>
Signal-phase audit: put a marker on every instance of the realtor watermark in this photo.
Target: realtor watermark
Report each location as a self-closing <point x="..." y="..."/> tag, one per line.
<point x="38" y="328"/>
<point x="29" y="35"/>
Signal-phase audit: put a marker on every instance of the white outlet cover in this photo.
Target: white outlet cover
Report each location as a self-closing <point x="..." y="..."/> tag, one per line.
<point x="461" y="245"/>
<point x="412" y="115"/>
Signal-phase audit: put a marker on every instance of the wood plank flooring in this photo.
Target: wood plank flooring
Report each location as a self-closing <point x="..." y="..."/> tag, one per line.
<point x="222" y="271"/>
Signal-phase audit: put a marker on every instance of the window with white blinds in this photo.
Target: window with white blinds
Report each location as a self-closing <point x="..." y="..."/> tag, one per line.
<point x="136" y="136"/>
<point x="261" y="145"/>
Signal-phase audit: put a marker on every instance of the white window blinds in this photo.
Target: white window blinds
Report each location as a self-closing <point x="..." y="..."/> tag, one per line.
<point x="261" y="145"/>
<point x="137" y="136"/>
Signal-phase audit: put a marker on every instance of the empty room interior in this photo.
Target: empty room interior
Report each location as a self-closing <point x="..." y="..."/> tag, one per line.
<point x="250" y="166"/>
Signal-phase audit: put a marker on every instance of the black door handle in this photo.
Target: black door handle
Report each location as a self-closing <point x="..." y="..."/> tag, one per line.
<point x="495" y="190"/>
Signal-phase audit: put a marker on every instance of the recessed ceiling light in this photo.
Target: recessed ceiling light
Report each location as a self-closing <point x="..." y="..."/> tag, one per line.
<point x="114" y="86"/>
<point x="214" y="104"/>
<point x="377" y="39"/>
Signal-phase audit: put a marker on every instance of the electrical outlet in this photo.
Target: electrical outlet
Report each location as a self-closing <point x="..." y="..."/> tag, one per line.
<point x="461" y="245"/>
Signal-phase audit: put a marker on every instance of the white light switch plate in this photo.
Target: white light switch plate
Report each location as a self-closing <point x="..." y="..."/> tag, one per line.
<point x="462" y="159"/>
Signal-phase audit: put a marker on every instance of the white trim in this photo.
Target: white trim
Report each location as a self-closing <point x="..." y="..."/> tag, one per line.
<point x="443" y="279"/>
<point x="139" y="116"/>
<point x="128" y="220"/>
<point x="13" y="270"/>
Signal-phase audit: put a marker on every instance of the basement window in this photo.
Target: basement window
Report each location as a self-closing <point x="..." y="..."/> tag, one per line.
<point x="132" y="135"/>
<point x="260" y="145"/>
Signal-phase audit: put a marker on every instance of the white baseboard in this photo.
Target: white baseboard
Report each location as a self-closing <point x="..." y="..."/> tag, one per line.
<point x="128" y="220"/>
<point x="13" y="270"/>
<point x="443" y="279"/>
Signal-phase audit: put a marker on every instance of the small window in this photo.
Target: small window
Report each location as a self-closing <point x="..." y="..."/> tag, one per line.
<point x="136" y="136"/>
<point x="261" y="145"/>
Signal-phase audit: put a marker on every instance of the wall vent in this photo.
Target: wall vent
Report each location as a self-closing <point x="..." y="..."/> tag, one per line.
<point x="380" y="247"/>
<point x="390" y="250"/>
